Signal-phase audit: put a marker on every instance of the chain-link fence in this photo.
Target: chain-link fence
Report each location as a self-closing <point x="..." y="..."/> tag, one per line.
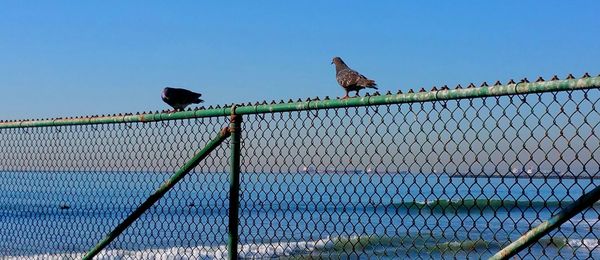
<point x="458" y="176"/>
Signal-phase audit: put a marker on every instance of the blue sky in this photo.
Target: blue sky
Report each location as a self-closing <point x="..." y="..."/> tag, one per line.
<point x="69" y="58"/>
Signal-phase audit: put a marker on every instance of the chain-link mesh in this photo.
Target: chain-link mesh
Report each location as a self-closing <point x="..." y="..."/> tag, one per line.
<point x="457" y="178"/>
<point x="64" y="188"/>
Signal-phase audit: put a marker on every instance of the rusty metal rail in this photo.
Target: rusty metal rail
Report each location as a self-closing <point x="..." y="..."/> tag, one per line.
<point x="523" y="87"/>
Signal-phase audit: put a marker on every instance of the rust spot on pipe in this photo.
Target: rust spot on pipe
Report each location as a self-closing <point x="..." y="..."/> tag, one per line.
<point x="226" y="132"/>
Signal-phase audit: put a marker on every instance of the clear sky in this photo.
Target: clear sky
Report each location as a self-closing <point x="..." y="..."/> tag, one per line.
<point x="69" y="58"/>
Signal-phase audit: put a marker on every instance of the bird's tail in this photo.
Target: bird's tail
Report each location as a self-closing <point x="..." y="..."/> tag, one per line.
<point x="371" y="84"/>
<point x="198" y="101"/>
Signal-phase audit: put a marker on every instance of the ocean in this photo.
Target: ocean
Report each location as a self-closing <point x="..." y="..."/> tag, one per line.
<point x="60" y="215"/>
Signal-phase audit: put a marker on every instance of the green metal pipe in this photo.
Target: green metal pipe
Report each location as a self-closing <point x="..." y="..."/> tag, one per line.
<point x="159" y="193"/>
<point x="521" y="88"/>
<point x="533" y="235"/>
<point x="234" y="186"/>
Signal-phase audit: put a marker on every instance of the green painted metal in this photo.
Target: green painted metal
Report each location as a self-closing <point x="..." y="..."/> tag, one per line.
<point x="520" y="88"/>
<point x="159" y="193"/>
<point x="533" y="235"/>
<point x="234" y="186"/>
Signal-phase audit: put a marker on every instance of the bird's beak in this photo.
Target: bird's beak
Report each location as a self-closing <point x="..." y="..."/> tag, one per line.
<point x="331" y="62"/>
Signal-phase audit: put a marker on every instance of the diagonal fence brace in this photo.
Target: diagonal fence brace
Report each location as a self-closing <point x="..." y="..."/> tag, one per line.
<point x="160" y="192"/>
<point x="533" y="235"/>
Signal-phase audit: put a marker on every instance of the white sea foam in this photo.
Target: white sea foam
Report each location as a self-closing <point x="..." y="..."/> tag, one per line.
<point x="586" y="243"/>
<point x="251" y="251"/>
<point x="248" y="251"/>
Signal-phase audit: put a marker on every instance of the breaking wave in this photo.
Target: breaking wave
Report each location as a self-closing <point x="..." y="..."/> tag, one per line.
<point x="328" y="246"/>
<point x="481" y="205"/>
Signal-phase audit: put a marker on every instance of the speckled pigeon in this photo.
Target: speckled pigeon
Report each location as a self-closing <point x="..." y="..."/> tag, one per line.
<point x="180" y="98"/>
<point x="349" y="79"/>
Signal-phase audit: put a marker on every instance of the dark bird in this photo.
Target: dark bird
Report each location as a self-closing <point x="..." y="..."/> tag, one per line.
<point x="179" y="98"/>
<point x="349" y="79"/>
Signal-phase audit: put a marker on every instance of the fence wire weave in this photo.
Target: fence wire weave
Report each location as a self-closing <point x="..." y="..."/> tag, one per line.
<point x="63" y="188"/>
<point x="444" y="179"/>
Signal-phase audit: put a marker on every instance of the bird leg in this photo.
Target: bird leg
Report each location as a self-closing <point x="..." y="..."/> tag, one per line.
<point x="357" y="94"/>
<point x="346" y="96"/>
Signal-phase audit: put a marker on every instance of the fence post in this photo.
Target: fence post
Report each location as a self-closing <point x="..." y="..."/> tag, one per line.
<point x="234" y="184"/>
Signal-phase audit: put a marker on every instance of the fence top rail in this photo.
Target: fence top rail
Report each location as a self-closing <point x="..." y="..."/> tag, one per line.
<point x="511" y="88"/>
